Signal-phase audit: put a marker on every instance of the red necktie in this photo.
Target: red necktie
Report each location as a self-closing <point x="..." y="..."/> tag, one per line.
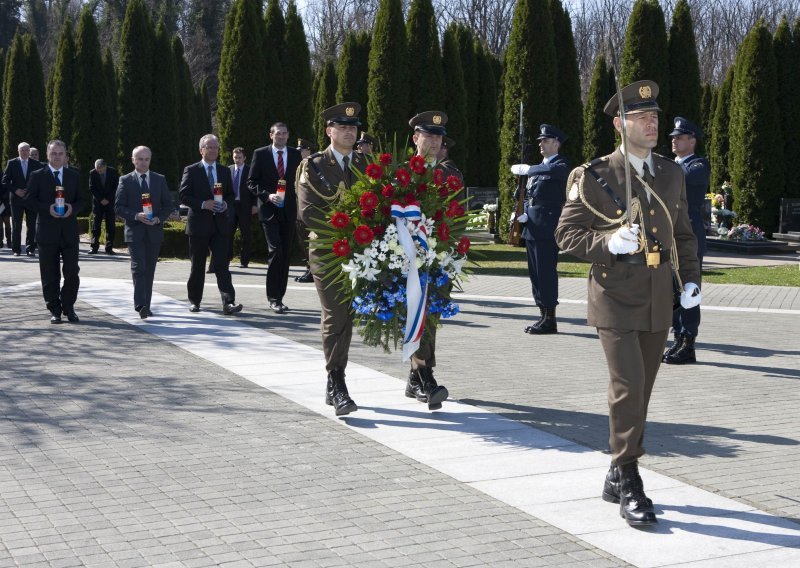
<point x="281" y="169"/>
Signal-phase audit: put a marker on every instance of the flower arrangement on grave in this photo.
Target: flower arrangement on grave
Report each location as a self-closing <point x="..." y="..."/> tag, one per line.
<point x="743" y="232"/>
<point x="720" y="215"/>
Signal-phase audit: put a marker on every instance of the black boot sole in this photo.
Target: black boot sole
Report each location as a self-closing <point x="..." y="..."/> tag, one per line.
<point x="437" y="396"/>
<point x="686" y="361"/>
<point x="642" y="523"/>
<point x="346" y="408"/>
<point x="609" y="497"/>
<point x="537" y="331"/>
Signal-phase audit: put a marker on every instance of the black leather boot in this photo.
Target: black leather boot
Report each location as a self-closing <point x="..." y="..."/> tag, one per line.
<point x="685" y="354"/>
<point x="611" y="487"/>
<point x="633" y="503"/>
<point x="537" y="322"/>
<point x="336" y="393"/>
<point x="676" y="344"/>
<point x="435" y="393"/>
<point x="547" y="325"/>
<point x="414" y="387"/>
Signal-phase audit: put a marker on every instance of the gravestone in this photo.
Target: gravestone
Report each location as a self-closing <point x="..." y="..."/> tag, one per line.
<point x="790" y="216"/>
<point x="480" y="196"/>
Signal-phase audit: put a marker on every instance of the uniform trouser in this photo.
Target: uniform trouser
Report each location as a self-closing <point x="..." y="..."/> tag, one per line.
<point x="687" y="322"/>
<point x="425" y="356"/>
<point x="102" y="213"/>
<point x="279" y="236"/>
<point x="17" y="211"/>
<point x="144" y="256"/>
<point x="57" y="296"/>
<point x="302" y="238"/>
<point x="198" y="250"/>
<point x="633" y="359"/>
<point x="336" y="321"/>
<point x="543" y="271"/>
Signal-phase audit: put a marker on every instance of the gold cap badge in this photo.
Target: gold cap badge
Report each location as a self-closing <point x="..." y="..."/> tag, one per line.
<point x="437" y="119"/>
<point x="645" y="92"/>
<point x="350" y="111"/>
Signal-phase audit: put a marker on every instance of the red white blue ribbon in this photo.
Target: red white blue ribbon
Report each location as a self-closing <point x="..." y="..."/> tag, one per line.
<point x="416" y="297"/>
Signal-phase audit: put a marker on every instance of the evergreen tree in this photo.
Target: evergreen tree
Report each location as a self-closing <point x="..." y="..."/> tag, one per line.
<point x="164" y="110"/>
<point x="240" y="120"/>
<point x="787" y="58"/>
<point x="275" y="95"/>
<point x="205" y="108"/>
<point x="568" y="84"/>
<point x="352" y="71"/>
<point x="707" y="107"/>
<point x="719" y="144"/>
<point x="135" y="99"/>
<point x="469" y="68"/>
<point x="109" y="153"/>
<point x="756" y="142"/>
<point x="643" y="56"/>
<point x="388" y="90"/>
<point x="423" y="49"/>
<point x="599" y="134"/>
<point x="685" y="87"/>
<point x="488" y="155"/>
<point x="16" y="104"/>
<point x="187" y="127"/>
<point x="456" y="98"/>
<point x="93" y="133"/>
<point x="63" y="87"/>
<point x="38" y="118"/>
<point x="530" y="73"/>
<point x="297" y="76"/>
<point x="325" y="97"/>
<point x="2" y="89"/>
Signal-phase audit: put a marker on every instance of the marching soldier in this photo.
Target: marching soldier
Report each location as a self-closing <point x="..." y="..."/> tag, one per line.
<point x="686" y="323"/>
<point x="634" y="248"/>
<point x="320" y="180"/>
<point x="544" y="198"/>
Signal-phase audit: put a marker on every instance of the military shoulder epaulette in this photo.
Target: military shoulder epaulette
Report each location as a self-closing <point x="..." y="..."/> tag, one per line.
<point x="315" y="155"/>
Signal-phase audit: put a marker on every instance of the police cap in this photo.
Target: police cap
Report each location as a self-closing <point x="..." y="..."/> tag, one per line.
<point x="636" y="97"/>
<point x="683" y="126"/>
<point x="303" y="144"/>
<point x="448" y="142"/>
<point x="430" y="121"/>
<point x="344" y="113"/>
<point x="550" y="131"/>
<point x="365" y="138"/>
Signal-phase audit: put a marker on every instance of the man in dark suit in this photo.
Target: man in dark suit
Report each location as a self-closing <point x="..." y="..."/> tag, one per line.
<point x="271" y="164"/>
<point x="144" y="231"/>
<point x="306" y="148"/>
<point x="207" y="224"/>
<point x="15" y="181"/>
<point x="544" y="198"/>
<point x="103" y="181"/>
<point x="57" y="234"/>
<point x="241" y="214"/>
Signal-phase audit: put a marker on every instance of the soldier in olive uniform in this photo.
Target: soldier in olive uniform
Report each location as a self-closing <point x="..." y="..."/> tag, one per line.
<point x="320" y="180"/>
<point x="630" y="288"/>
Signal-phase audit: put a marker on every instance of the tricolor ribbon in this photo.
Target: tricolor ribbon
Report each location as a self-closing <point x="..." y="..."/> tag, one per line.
<point x="416" y="297"/>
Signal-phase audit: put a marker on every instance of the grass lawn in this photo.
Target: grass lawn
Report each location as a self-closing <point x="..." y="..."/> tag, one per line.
<point x="505" y="260"/>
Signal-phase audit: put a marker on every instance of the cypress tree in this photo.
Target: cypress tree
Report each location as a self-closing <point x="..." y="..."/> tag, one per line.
<point x="275" y="95"/>
<point x="164" y="110"/>
<point x="352" y="71"/>
<point x="599" y="133"/>
<point x="48" y="97"/>
<point x="63" y="85"/>
<point x="325" y="97"/>
<point x="135" y="99"/>
<point x="240" y="120"/>
<point x="568" y="84"/>
<point x="756" y="142"/>
<point x="530" y="73"/>
<point x="469" y="67"/>
<point x="707" y="107"/>
<point x="16" y="105"/>
<point x="685" y="87"/>
<point x="205" y="101"/>
<point x="643" y="56"/>
<point x="93" y="133"/>
<point x="423" y="49"/>
<point x="297" y="75"/>
<point x="456" y="98"/>
<point x="488" y="155"/>
<point x="719" y="143"/>
<point x="787" y="58"/>
<point x="38" y="118"/>
<point x="112" y="125"/>
<point x="2" y="89"/>
<point x="388" y="87"/>
<point x="188" y="128"/>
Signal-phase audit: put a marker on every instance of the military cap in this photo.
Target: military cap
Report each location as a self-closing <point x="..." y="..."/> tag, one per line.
<point x="365" y="138"/>
<point x="550" y="131"/>
<point x="683" y="126"/>
<point x="303" y="144"/>
<point x="344" y="113"/>
<point x="430" y="121"/>
<point x="448" y="142"/>
<point x="637" y="97"/>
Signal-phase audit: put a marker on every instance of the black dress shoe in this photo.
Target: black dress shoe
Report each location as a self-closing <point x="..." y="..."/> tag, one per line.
<point x="277" y="307"/>
<point x="30" y="253"/>
<point x="194" y="308"/>
<point x="55" y="318"/>
<point x="110" y="252"/>
<point x="229" y="309"/>
<point x="72" y="317"/>
<point x="305" y="278"/>
<point x="244" y="265"/>
<point x="92" y="251"/>
<point x="145" y="313"/>
<point x="17" y="254"/>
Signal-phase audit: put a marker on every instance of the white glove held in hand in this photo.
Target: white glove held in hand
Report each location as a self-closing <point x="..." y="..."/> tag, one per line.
<point x="522" y="218"/>
<point x="520" y="169"/>
<point x="691" y="296"/>
<point x="625" y="240"/>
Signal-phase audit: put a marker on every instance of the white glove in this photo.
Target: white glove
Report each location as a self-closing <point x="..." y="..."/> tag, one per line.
<point x="522" y="218"/>
<point x="691" y="296"/>
<point x="520" y="169"/>
<point x="625" y="240"/>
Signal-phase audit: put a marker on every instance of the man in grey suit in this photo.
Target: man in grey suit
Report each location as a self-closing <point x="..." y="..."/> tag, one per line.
<point x="143" y="233"/>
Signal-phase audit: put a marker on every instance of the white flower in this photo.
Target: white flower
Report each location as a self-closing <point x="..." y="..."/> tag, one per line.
<point x="381" y="256"/>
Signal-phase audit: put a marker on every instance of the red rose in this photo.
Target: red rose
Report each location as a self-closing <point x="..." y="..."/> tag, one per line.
<point x="385" y="159"/>
<point x="463" y="245"/>
<point x="387" y="191"/>
<point x="417" y="164"/>
<point x="411" y="200"/>
<point x="368" y="200"/>
<point x="374" y="171"/>
<point x="438" y="215"/>
<point x="403" y="177"/>
<point x="367" y="213"/>
<point x="379" y="230"/>
<point x="454" y="183"/>
<point x="443" y="231"/>
<point x="341" y="247"/>
<point x="438" y="177"/>
<point x="363" y="235"/>
<point x="340" y="220"/>
<point x="422" y="188"/>
<point x="443" y="192"/>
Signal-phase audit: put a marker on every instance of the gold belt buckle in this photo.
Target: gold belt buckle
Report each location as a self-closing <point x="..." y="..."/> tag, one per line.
<point x="654" y="258"/>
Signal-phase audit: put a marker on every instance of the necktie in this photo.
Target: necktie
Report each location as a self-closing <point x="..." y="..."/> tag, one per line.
<point x="648" y="178"/>
<point x="236" y="182"/>
<point x="25" y="169"/>
<point x="281" y="167"/>
<point x="58" y="180"/>
<point x="346" y="166"/>
<point x="211" y="176"/>
<point x="145" y="187"/>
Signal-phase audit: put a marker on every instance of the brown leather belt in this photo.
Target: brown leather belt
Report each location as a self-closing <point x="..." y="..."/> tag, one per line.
<point x="639" y="258"/>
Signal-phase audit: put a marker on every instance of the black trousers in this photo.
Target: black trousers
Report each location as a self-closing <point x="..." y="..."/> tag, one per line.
<point x="279" y="235"/>
<point x="144" y="256"/>
<point x="57" y="296"/>
<point x="687" y="322"/>
<point x="543" y="271"/>
<point x="17" y="210"/>
<point x="102" y="213"/>
<point x="243" y="220"/>
<point x="198" y="251"/>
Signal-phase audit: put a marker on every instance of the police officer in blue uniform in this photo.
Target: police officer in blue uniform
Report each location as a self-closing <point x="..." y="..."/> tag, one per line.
<point x="685" y="323"/>
<point x="544" y="197"/>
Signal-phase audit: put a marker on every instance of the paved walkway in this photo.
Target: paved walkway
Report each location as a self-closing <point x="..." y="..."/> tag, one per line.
<point x="165" y="443"/>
